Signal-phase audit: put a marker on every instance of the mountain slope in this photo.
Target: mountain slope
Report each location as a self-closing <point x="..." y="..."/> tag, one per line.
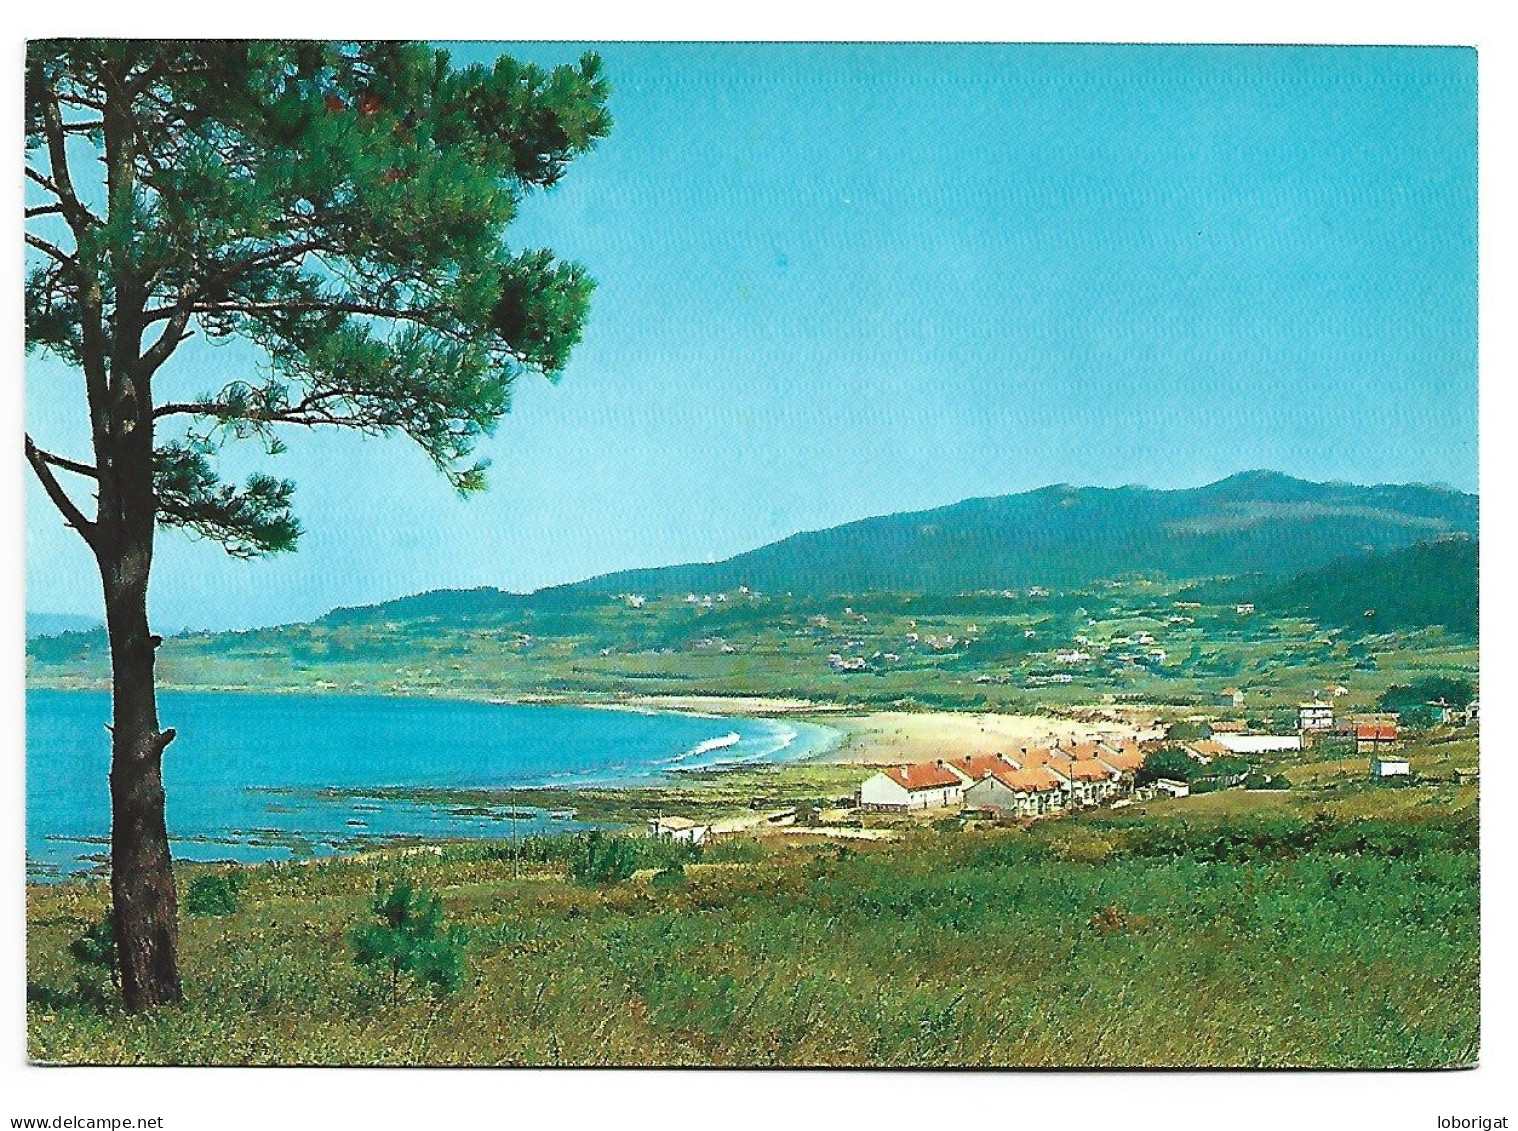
<point x="1254" y="522"/>
<point x="1416" y="587"/>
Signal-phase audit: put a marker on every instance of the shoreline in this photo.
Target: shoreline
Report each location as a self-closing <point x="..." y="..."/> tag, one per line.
<point x="869" y="736"/>
<point x="834" y="748"/>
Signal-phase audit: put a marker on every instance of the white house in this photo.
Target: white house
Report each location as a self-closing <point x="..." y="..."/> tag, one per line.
<point x="1259" y="743"/>
<point x="678" y="828"/>
<point x="1315" y="716"/>
<point x="1172" y="788"/>
<point x="1024" y="793"/>
<point x="925" y="785"/>
<point x="1091" y="782"/>
<point x="1389" y="766"/>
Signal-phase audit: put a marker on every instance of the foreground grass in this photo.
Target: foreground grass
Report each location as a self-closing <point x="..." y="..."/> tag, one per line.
<point x="1268" y="940"/>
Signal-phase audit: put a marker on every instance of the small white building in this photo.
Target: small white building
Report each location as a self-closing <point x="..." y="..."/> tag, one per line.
<point x="1259" y="743"/>
<point x="1315" y="716"/>
<point x="926" y="785"/>
<point x="1389" y="766"/>
<point x="1172" y="788"/>
<point x="678" y="828"/>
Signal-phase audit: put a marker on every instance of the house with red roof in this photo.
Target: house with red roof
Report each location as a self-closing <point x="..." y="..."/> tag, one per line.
<point x="1082" y="750"/>
<point x="1021" y="793"/>
<point x="1124" y="762"/>
<point x="1126" y="759"/>
<point x="925" y="785"/>
<point x="1091" y="782"/>
<point x="1375" y="738"/>
<point x="1031" y="758"/>
<point x="1205" y="750"/>
<point x="973" y="767"/>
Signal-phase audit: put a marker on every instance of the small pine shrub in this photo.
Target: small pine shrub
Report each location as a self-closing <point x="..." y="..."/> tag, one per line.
<point x="410" y="939"/>
<point x="96" y="949"/>
<point x="734" y="850"/>
<point x="669" y="878"/>
<point x="1259" y="780"/>
<point x="602" y="859"/>
<point x="211" y="895"/>
<point x="1110" y="919"/>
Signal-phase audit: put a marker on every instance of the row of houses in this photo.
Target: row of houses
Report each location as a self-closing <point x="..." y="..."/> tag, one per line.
<point x="1028" y="782"/>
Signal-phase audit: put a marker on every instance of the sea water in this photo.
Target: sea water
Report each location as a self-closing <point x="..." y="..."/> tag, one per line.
<point x="268" y="777"/>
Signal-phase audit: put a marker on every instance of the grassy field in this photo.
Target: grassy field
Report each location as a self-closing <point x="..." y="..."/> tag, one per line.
<point x="1332" y="925"/>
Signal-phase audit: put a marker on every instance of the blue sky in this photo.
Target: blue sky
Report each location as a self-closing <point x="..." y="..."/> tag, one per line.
<point x="838" y="281"/>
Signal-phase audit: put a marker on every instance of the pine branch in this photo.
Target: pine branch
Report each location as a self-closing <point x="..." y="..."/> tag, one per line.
<point x="52" y="250"/>
<point x="68" y="464"/>
<point x="66" y="506"/>
<point x="78" y="216"/>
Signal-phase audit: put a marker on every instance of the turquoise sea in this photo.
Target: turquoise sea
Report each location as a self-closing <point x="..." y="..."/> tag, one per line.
<point x="270" y="777"/>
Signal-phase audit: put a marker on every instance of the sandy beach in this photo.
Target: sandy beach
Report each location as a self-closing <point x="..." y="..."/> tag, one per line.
<point x="892" y="737"/>
<point x="884" y="738"/>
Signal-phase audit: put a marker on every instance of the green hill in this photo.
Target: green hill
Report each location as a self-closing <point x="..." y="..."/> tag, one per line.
<point x="1253" y="522"/>
<point x="1431" y="583"/>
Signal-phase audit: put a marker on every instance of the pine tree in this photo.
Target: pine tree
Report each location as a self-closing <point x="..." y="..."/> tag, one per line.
<point x="342" y="206"/>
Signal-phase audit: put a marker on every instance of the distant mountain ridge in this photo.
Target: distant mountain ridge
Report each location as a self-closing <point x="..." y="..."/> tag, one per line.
<point x="1256" y="522"/>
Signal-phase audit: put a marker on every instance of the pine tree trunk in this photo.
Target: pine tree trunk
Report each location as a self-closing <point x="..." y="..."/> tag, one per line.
<point x="144" y="901"/>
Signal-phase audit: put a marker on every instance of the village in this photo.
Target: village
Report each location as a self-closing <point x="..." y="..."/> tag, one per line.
<point x="1028" y="782"/>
